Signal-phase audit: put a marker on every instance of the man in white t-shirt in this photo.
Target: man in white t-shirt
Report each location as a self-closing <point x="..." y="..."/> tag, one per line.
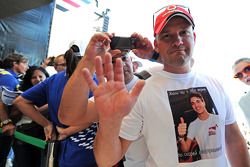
<point x="155" y="111"/>
<point x="207" y="135"/>
<point x="152" y="115"/>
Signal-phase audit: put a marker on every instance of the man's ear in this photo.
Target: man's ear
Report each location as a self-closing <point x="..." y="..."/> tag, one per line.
<point x="194" y="37"/>
<point x="156" y="46"/>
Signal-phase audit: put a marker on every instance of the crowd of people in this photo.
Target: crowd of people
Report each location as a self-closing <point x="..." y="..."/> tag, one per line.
<point x="99" y="111"/>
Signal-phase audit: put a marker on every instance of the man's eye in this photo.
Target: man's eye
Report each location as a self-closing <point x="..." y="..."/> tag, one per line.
<point x="185" y="32"/>
<point x="165" y="36"/>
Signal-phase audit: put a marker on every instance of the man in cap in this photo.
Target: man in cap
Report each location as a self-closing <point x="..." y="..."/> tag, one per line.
<point x="156" y="113"/>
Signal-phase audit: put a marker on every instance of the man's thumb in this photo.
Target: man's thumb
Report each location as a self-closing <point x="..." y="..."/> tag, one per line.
<point x="182" y="120"/>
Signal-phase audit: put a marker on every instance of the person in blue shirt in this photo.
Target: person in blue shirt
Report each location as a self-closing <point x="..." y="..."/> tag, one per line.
<point x="75" y="148"/>
<point x="33" y="76"/>
<point x="12" y="66"/>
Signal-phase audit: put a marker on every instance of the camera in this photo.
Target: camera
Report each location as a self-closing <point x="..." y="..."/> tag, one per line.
<point x="51" y="62"/>
<point x="123" y="43"/>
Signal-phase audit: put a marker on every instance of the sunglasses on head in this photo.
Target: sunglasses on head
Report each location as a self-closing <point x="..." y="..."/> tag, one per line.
<point x="169" y="8"/>
<point x="246" y="70"/>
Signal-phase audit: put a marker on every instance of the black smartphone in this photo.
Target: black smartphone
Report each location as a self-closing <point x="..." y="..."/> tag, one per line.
<point x="123" y="43"/>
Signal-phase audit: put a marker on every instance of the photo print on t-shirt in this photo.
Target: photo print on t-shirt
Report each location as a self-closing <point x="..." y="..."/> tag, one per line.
<point x="197" y="124"/>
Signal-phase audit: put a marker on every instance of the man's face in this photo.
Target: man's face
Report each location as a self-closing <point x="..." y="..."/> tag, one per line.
<point x="198" y="104"/>
<point x="21" y="67"/>
<point x="175" y="44"/>
<point x="127" y="66"/>
<point x="241" y="70"/>
<point x="60" y="64"/>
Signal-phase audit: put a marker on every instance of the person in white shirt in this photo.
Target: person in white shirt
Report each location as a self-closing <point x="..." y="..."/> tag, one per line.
<point x="150" y="109"/>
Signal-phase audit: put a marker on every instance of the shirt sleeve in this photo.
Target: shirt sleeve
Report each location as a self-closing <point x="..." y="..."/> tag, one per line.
<point x="132" y="124"/>
<point x="37" y="94"/>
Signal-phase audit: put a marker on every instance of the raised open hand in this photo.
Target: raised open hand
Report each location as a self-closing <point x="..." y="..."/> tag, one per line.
<point x="112" y="100"/>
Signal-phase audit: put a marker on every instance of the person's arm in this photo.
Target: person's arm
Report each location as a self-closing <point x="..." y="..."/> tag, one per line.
<point x="73" y="107"/>
<point x="236" y="147"/>
<point x="185" y="144"/>
<point x="47" y="61"/>
<point x="28" y="108"/>
<point x="65" y="132"/>
<point x="112" y="102"/>
<point x="7" y="124"/>
<point x="43" y="108"/>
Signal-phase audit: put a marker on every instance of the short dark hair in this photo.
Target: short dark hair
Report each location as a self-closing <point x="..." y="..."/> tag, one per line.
<point x="9" y="61"/>
<point x="196" y="94"/>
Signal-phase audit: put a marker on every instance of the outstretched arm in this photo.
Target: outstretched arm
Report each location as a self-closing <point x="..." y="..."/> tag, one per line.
<point x="113" y="102"/>
<point x="65" y="132"/>
<point x="73" y="107"/>
<point x="28" y="108"/>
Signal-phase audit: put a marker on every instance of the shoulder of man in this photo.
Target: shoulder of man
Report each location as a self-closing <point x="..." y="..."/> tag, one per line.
<point x="4" y="72"/>
<point x="143" y="75"/>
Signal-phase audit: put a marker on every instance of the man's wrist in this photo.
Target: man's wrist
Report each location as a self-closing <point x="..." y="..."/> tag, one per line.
<point x="5" y="122"/>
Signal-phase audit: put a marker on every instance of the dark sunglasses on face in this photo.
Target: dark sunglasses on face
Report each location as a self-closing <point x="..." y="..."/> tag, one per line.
<point x="169" y="7"/>
<point x="246" y="70"/>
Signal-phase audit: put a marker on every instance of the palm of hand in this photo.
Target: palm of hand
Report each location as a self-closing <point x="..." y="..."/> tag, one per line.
<point x="112" y="100"/>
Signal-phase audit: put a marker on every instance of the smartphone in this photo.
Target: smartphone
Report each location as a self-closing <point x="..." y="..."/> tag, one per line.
<point x="123" y="43"/>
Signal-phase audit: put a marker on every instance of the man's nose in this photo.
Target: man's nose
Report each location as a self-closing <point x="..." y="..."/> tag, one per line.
<point x="178" y="41"/>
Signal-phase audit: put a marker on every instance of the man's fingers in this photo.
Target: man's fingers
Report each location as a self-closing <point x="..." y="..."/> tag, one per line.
<point x="119" y="76"/>
<point x="108" y="67"/>
<point x="182" y="120"/>
<point x="99" y="69"/>
<point x="88" y="77"/>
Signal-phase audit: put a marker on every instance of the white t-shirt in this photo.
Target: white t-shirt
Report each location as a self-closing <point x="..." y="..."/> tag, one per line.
<point x="137" y="153"/>
<point x="208" y="135"/>
<point x="245" y="106"/>
<point x="156" y="113"/>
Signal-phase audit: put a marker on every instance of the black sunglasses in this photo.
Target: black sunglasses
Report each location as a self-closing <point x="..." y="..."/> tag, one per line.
<point x="169" y="7"/>
<point x="239" y="75"/>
